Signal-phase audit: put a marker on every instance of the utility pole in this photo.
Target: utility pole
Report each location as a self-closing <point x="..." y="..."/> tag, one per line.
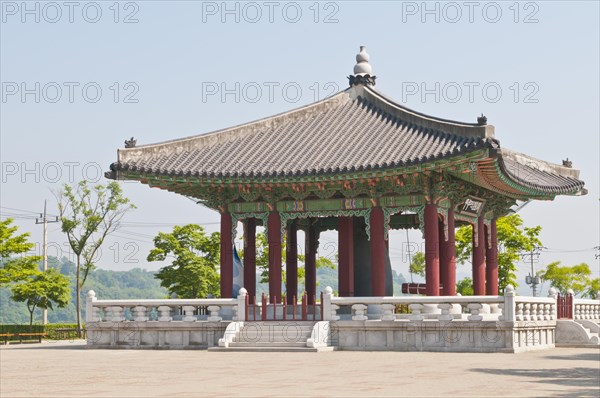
<point x="44" y="220"/>
<point x="533" y="279"/>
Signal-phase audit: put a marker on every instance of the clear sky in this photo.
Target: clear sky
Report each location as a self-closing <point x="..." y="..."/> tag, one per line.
<point x="80" y="78"/>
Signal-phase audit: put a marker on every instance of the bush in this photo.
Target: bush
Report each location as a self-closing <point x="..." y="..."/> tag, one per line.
<point x="50" y="330"/>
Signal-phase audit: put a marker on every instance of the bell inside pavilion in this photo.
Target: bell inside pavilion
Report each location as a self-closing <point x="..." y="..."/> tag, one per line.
<point x="361" y="164"/>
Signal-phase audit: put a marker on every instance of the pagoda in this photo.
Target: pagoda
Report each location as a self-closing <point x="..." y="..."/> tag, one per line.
<point x="358" y="163"/>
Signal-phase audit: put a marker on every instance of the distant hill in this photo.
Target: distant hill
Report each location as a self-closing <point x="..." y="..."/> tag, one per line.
<point x="132" y="284"/>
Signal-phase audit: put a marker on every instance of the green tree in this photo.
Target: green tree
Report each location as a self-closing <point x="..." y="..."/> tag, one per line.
<point x="41" y="290"/>
<point x="193" y="272"/>
<point x="22" y="275"/>
<point x="564" y="278"/>
<point x="14" y="264"/>
<point x="417" y="264"/>
<point x="513" y="238"/>
<point x="88" y="214"/>
<point x="593" y="289"/>
<point x="465" y="287"/>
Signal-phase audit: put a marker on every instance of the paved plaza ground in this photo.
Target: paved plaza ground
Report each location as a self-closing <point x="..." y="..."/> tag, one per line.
<point x="68" y="369"/>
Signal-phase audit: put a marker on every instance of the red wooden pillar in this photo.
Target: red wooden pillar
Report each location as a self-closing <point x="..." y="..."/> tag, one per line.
<point x="378" y="251"/>
<point x="448" y="257"/>
<point x="250" y="258"/>
<point x="274" y="239"/>
<point x="226" y="256"/>
<point x="479" y="259"/>
<point x="310" y="263"/>
<point x="291" y="262"/>
<point x="432" y="251"/>
<point x="346" y="256"/>
<point x="491" y="262"/>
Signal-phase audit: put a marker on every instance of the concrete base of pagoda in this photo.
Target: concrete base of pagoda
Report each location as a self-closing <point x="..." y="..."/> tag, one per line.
<point x="505" y="323"/>
<point x="458" y="336"/>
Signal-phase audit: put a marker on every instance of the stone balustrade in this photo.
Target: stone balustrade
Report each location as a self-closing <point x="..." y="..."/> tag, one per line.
<point x="167" y="310"/>
<point x="586" y="309"/>
<point x="508" y="308"/>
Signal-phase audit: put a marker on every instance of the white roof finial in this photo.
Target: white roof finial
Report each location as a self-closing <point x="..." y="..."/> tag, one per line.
<point x="362" y="69"/>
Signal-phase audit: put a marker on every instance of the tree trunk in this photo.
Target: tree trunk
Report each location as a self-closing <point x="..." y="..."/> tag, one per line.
<point x="31" y="320"/>
<point x="78" y="301"/>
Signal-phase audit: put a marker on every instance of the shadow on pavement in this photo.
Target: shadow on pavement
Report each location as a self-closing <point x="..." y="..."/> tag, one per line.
<point x="587" y="379"/>
<point x="577" y="357"/>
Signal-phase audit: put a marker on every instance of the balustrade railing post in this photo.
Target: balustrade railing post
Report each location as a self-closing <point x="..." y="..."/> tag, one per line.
<point x="508" y="309"/>
<point x="242" y="305"/>
<point x="89" y="307"/>
<point x="263" y="309"/>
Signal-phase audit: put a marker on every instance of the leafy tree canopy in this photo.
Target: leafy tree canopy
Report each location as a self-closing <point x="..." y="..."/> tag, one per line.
<point x="576" y="277"/>
<point x="464" y="287"/>
<point x="513" y="239"/>
<point x="41" y="290"/>
<point x="193" y="271"/>
<point x="14" y="265"/>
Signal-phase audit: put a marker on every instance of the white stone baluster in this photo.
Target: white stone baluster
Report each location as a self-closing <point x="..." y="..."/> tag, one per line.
<point x="502" y="316"/>
<point x="388" y="312"/>
<point x="416" y="312"/>
<point x="587" y="311"/>
<point x="527" y="311"/>
<point x="474" y="308"/>
<point x="96" y="314"/>
<point x="214" y="313"/>
<point x="519" y="312"/>
<point x="547" y="312"/>
<point x="188" y="313"/>
<point x="139" y="313"/>
<point x="359" y="312"/>
<point x="445" y="316"/>
<point x="537" y="312"/>
<point x="334" y="315"/>
<point x="577" y="312"/>
<point x="116" y="313"/>
<point x="164" y="313"/>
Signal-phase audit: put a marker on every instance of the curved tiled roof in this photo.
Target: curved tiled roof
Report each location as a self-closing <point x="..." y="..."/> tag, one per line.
<point x="345" y="133"/>
<point x="358" y="129"/>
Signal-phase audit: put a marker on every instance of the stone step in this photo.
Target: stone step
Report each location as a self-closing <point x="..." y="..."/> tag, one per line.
<point x="274" y="339"/>
<point x="268" y="344"/>
<point x="270" y="349"/>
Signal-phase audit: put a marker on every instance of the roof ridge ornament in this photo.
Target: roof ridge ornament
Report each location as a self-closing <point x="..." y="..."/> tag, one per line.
<point x="362" y="70"/>
<point x="130" y="143"/>
<point x="482" y="120"/>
